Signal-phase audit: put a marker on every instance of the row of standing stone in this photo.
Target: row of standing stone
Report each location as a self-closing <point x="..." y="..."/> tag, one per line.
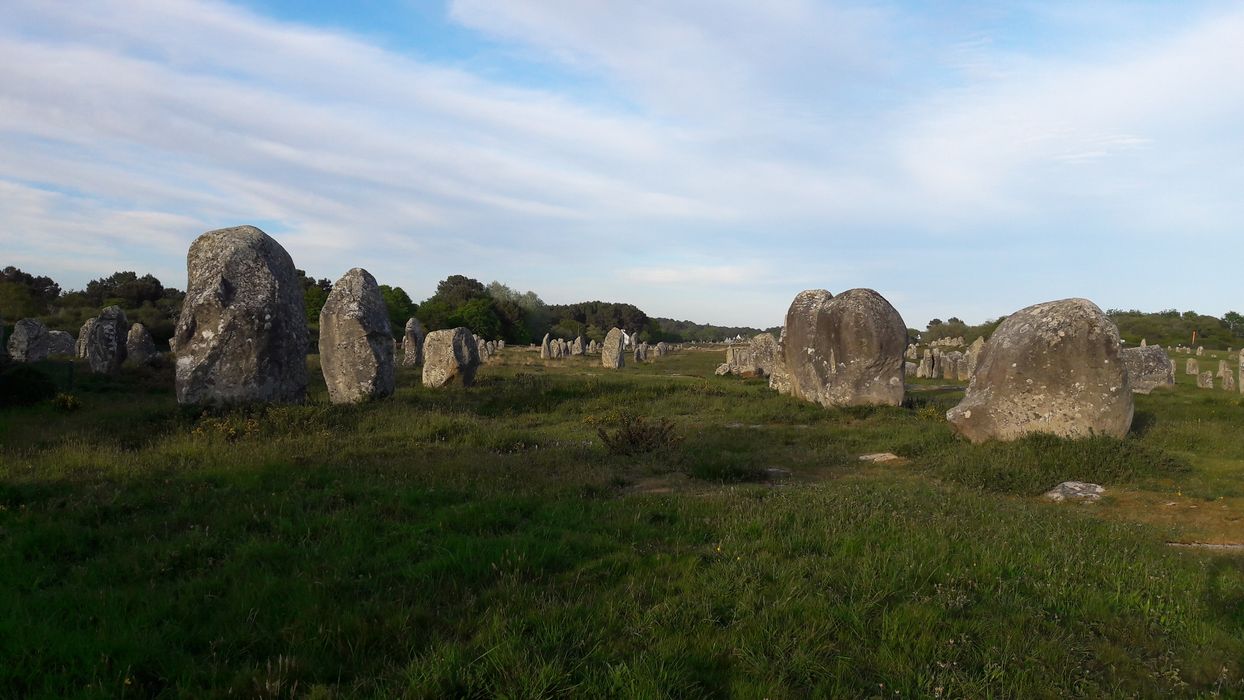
<point x="104" y="342"/>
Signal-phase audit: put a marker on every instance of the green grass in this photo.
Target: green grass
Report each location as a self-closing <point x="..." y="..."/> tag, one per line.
<point x="485" y="543"/>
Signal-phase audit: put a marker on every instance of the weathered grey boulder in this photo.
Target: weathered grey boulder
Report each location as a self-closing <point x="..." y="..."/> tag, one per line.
<point x="1049" y="368"/>
<point x="242" y="333"/>
<point x="780" y="380"/>
<point x="611" y="352"/>
<point x="30" y="341"/>
<point x="663" y="348"/>
<point x="61" y="343"/>
<point x="764" y="349"/>
<point x="546" y="349"/>
<point x="1205" y="380"/>
<point x="449" y="355"/>
<point x="845" y="350"/>
<point x="84" y="335"/>
<point x="739" y="362"/>
<point x="910" y="369"/>
<point x="412" y="343"/>
<point x="1148" y="368"/>
<point x="140" y="349"/>
<point x="972" y="356"/>
<point x="105" y="346"/>
<point x="1075" y="491"/>
<point x="481" y="347"/>
<point x="356" y="342"/>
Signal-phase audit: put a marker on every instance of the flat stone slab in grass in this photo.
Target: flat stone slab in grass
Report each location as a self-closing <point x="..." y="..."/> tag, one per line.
<point x="879" y="457"/>
<point x="1075" y="491"/>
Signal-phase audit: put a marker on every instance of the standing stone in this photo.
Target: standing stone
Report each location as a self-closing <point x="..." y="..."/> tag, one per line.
<point x="974" y="353"/>
<point x="1223" y="369"/>
<point x="1144" y="343"/>
<point x="1148" y="368"/>
<point x="105" y="346"/>
<point x="412" y="343"/>
<point x="242" y="333"/>
<point x="140" y="349"/>
<point x="910" y="369"/>
<point x="84" y="335"/>
<point x="1200" y="350"/>
<point x="845" y="350"/>
<point x="1191" y="367"/>
<point x="764" y="350"/>
<point x="61" y="343"/>
<point x="546" y="350"/>
<point x="611" y="352"/>
<point x="663" y="348"/>
<point x="30" y="341"/>
<point x="591" y="347"/>
<point x="1205" y="380"/>
<point x="1049" y="368"/>
<point x="1228" y="381"/>
<point x="578" y="347"/>
<point x="780" y="380"/>
<point x="482" y="348"/>
<point x="448" y="355"/>
<point x="356" y="342"/>
<point x="938" y="364"/>
<point x="925" y="368"/>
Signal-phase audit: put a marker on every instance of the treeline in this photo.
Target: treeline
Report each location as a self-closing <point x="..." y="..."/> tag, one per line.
<point x="1166" y="328"/>
<point x="494" y="311"/>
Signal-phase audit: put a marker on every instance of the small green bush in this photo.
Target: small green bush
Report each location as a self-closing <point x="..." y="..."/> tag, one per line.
<point x="635" y="434"/>
<point x="66" y="402"/>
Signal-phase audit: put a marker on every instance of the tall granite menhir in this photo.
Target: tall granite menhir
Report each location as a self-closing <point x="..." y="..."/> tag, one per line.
<point x="842" y="351"/>
<point x="105" y="343"/>
<point x="242" y="333"/>
<point x="356" y="343"/>
<point x="1050" y="368"/>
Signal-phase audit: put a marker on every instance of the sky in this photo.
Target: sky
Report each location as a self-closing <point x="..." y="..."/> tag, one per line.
<point x="702" y="159"/>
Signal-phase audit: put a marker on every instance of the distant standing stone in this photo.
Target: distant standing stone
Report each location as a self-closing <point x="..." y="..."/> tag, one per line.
<point x="412" y="343"/>
<point x="1228" y="381"/>
<point x="1205" y="380"/>
<point x="105" y="346"/>
<point x="61" y="343"/>
<point x="1200" y="351"/>
<point x="356" y="342"/>
<point x="909" y="369"/>
<point x="242" y="333"/>
<point x="546" y="350"/>
<point x="611" y="352"/>
<point x="578" y="347"/>
<point x="1048" y="368"/>
<point x="450" y="355"/>
<point x="482" y="346"/>
<point x="30" y="341"/>
<point x="140" y="349"/>
<point x="1148" y="368"/>
<point x="1191" y="366"/>
<point x="84" y="335"/>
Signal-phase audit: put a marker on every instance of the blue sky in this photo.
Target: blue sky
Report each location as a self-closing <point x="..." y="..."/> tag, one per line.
<point x="703" y="159"/>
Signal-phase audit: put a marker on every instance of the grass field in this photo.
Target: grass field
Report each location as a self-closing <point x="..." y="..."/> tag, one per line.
<point x="485" y="543"/>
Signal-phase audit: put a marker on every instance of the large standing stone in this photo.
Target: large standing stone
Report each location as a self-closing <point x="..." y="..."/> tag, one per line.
<point x="1148" y="368"/>
<point x="578" y="347"/>
<point x="140" y="349"/>
<point x="105" y="346"/>
<point x="1049" y="368"/>
<point x="412" y="343"/>
<point x="546" y="349"/>
<point x="973" y="354"/>
<point x="845" y="350"/>
<point x="611" y="352"/>
<point x="764" y="348"/>
<point x="242" y="334"/>
<point x="448" y="355"/>
<point x="61" y="343"/>
<point x="84" y="335"/>
<point x="30" y="341"/>
<point x="356" y="341"/>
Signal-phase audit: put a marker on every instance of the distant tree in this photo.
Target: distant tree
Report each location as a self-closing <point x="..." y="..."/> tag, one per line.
<point x="314" y="294"/>
<point x="17" y="301"/>
<point x="934" y="323"/>
<point x="480" y="317"/>
<point x="125" y="289"/>
<point x="457" y="290"/>
<point x="1235" y="322"/>
<point x="400" y="307"/>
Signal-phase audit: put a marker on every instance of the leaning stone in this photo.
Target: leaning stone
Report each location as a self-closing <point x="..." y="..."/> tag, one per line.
<point x="242" y="334"/>
<point x="105" y="346"/>
<point x="611" y="352"/>
<point x="449" y="355"/>
<point x="845" y="350"/>
<point x="61" y="343"/>
<point x="1075" y="491"/>
<point x="412" y="343"/>
<point x="1049" y="368"/>
<point x="356" y="342"/>
<point x="140" y="349"/>
<point x="30" y="341"/>
<point x="1148" y="368"/>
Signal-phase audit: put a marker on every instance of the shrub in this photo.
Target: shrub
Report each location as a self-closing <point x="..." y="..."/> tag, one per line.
<point x="635" y="435"/>
<point x="66" y="402"/>
<point x="23" y="385"/>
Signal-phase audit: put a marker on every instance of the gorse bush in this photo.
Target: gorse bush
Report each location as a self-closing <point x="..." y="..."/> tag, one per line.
<point x="635" y="434"/>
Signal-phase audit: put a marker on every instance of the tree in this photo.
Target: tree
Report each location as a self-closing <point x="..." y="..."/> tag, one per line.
<point x="457" y="290"/>
<point x="479" y="316"/>
<point x="400" y="307"/>
<point x="125" y="289"/>
<point x="314" y="295"/>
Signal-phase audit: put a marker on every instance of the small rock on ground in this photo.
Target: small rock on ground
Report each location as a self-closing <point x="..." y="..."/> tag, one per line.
<point x="1075" y="491"/>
